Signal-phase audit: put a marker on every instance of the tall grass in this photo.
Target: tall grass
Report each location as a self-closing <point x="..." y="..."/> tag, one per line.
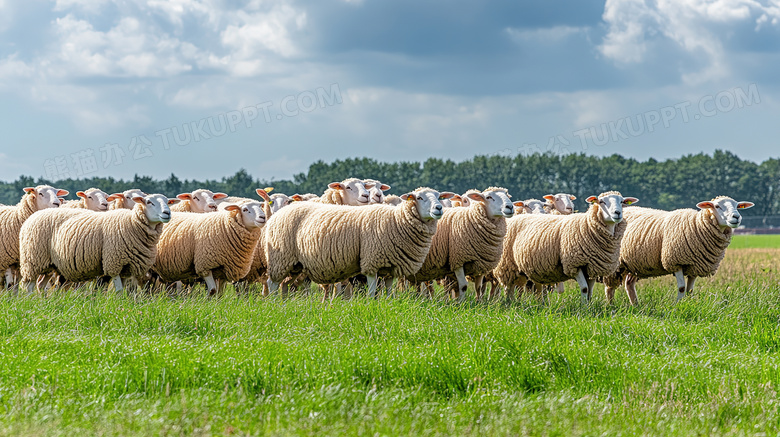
<point x="91" y="361"/>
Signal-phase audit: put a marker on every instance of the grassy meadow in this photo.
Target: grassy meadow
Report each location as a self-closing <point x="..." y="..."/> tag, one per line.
<point x="91" y="362"/>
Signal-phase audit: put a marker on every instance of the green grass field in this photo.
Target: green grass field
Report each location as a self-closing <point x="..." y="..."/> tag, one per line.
<point x="755" y="241"/>
<point x="92" y="363"/>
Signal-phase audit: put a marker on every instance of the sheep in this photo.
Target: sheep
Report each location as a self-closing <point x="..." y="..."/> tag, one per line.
<point x="683" y="242"/>
<point x="376" y="190"/>
<point x="93" y="199"/>
<point x="350" y="191"/>
<point x="304" y="197"/>
<point x="530" y="206"/>
<point x="200" y="201"/>
<point x="331" y="243"/>
<point x="118" y="244"/>
<point x="124" y="200"/>
<point x="35" y="242"/>
<point x="548" y="249"/>
<point x="12" y="218"/>
<point x="560" y="204"/>
<point x="213" y="247"/>
<point x="395" y="200"/>
<point x="468" y="241"/>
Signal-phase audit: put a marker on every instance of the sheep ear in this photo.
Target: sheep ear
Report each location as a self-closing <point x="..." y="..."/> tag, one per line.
<point x="519" y="204"/>
<point x="81" y="194"/>
<point x="139" y="199"/>
<point x="476" y="196"/>
<point x="28" y="189"/>
<point x="173" y="201"/>
<point x="703" y="205"/>
<point x="264" y="194"/>
<point x="456" y="197"/>
<point x="336" y="186"/>
<point x="184" y="196"/>
<point x="368" y="185"/>
<point x="407" y="196"/>
<point x="297" y="197"/>
<point x="114" y="196"/>
<point x="218" y="196"/>
<point x="745" y="205"/>
<point x="447" y="195"/>
<point x="62" y="193"/>
<point x="573" y="197"/>
<point x="630" y="200"/>
<point x="384" y="187"/>
<point x="549" y="197"/>
<point x="591" y="199"/>
<point x="233" y="209"/>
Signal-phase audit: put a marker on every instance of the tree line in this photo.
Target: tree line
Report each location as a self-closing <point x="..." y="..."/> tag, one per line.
<point x="668" y="184"/>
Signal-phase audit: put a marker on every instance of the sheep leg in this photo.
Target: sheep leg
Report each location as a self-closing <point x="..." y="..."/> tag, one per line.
<point x="117" y="283"/>
<point x="610" y="294"/>
<point x="559" y="287"/>
<point x="479" y="282"/>
<point x="591" y="284"/>
<point x="371" y="286"/>
<point x="630" y="284"/>
<point x="9" y="278"/>
<point x="272" y="286"/>
<point x="211" y="285"/>
<point x="582" y="281"/>
<point x="680" y="284"/>
<point x="691" y="283"/>
<point x="463" y="284"/>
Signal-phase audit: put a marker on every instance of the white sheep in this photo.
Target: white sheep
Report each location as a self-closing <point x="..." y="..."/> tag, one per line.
<point x="304" y="197"/>
<point x="548" y="249"/>
<point x="560" y="204"/>
<point x="468" y="241"/>
<point x="12" y="218"/>
<point x="332" y="243"/>
<point x="350" y="191"/>
<point x="124" y="200"/>
<point x="530" y="206"/>
<point x="683" y="243"/>
<point x="93" y="199"/>
<point x="212" y="247"/>
<point x="118" y="244"/>
<point x="394" y="200"/>
<point x="376" y="190"/>
<point x="199" y="201"/>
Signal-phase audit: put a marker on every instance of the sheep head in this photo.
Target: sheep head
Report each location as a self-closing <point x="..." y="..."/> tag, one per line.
<point x="725" y="211"/>
<point x="46" y="196"/>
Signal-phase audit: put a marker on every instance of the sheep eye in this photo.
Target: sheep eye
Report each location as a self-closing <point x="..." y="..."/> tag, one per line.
<point x="148" y="202"/>
<point x="349" y="188"/>
<point x="717" y="206"/>
<point x="490" y="197"/>
<point x="90" y="197"/>
<point x="40" y="194"/>
<point x="196" y="198"/>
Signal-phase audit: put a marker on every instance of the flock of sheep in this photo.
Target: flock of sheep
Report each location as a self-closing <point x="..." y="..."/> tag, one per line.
<point x="354" y="234"/>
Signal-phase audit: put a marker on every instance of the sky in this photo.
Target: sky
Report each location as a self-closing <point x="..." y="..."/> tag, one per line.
<point x="202" y="88"/>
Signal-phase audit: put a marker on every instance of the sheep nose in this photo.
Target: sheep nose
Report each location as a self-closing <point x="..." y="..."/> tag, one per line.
<point x="437" y="207"/>
<point x="213" y="206"/>
<point x="735" y="215"/>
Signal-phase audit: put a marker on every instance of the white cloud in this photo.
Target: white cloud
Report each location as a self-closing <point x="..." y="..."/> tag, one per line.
<point x="634" y="26"/>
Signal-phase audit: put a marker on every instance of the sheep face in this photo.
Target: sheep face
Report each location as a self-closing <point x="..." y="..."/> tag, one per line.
<point x="94" y="199"/>
<point x="611" y="206"/>
<point x="530" y="206"/>
<point x="376" y="190"/>
<point x="156" y="207"/>
<point x="497" y="202"/>
<point x="127" y="197"/>
<point x="46" y="196"/>
<point x="353" y="191"/>
<point x="202" y="200"/>
<point x="249" y="214"/>
<point x="279" y="201"/>
<point x="428" y="202"/>
<point x="562" y="202"/>
<point x="726" y="211"/>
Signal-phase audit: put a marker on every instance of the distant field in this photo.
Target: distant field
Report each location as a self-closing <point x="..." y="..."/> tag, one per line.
<point x="755" y="241"/>
<point x="92" y="363"/>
